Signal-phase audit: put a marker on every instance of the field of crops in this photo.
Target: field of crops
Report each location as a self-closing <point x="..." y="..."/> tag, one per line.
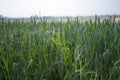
<point x="60" y="50"/>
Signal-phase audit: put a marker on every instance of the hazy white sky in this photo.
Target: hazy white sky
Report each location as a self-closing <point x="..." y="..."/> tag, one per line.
<point x="26" y="8"/>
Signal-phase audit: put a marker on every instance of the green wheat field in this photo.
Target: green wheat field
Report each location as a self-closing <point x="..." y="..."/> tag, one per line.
<point x="69" y="49"/>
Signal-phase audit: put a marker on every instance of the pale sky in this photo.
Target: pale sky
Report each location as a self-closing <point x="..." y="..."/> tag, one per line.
<point x="26" y="8"/>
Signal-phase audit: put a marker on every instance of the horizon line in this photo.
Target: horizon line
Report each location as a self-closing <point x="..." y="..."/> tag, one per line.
<point x="59" y="15"/>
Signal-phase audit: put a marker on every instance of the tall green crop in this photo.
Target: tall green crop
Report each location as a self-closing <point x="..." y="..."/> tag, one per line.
<point x="60" y="50"/>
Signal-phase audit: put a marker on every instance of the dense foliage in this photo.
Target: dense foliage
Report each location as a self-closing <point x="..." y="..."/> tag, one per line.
<point x="59" y="50"/>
